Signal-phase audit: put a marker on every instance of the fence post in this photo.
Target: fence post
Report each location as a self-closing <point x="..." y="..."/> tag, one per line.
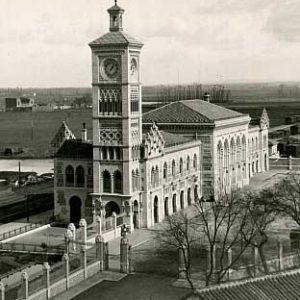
<point x="83" y="261"/>
<point x="182" y="253"/>
<point x="290" y="163"/>
<point x="229" y="263"/>
<point x="67" y="270"/>
<point x="68" y="238"/>
<point x="106" y="256"/>
<point x="256" y="258"/>
<point x="98" y="226"/>
<point x="47" y="278"/>
<point x="124" y="262"/>
<point x="280" y="255"/>
<point x="73" y="239"/>
<point x="2" y="291"/>
<point x="114" y="216"/>
<point x="24" y="278"/>
<point x="100" y="250"/>
<point x="83" y="225"/>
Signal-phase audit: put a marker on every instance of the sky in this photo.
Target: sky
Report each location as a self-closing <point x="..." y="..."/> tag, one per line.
<point x="44" y="43"/>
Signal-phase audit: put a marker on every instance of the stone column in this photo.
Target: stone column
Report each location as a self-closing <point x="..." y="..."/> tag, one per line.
<point x="25" y="287"/>
<point x="47" y="278"/>
<point x="280" y="255"/>
<point x="67" y="270"/>
<point x="182" y="257"/>
<point x="68" y="239"/>
<point x="72" y="228"/>
<point x="229" y="263"/>
<point x="98" y="225"/>
<point x="100" y="251"/>
<point x="290" y="163"/>
<point x="83" y="259"/>
<point x="124" y="261"/>
<point x="2" y="291"/>
<point x="83" y="226"/>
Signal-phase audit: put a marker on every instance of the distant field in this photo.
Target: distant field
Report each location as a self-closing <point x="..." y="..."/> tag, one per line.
<point x="16" y="127"/>
<point x="36" y="130"/>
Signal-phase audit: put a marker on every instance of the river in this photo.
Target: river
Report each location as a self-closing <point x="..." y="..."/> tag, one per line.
<point x="39" y="166"/>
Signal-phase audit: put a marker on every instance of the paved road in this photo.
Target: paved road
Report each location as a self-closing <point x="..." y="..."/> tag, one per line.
<point x="135" y="287"/>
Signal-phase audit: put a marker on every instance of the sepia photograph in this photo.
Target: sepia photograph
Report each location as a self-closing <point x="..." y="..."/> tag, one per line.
<point x="149" y="150"/>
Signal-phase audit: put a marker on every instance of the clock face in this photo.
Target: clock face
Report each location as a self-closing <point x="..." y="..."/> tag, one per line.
<point x="133" y="67"/>
<point x="110" y="68"/>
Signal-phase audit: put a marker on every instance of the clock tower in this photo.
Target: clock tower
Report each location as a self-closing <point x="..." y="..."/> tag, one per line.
<point x="117" y="122"/>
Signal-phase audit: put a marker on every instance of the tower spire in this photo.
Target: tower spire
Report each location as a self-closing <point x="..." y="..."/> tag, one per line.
<point x="116" y="13"/>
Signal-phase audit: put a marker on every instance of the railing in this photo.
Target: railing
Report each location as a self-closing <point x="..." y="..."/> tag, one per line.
<point x="32" y="248"/>
<point x="17" y="231"/>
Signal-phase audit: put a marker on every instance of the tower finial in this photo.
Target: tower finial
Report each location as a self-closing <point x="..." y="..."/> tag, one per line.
<point x="116" y="2"/>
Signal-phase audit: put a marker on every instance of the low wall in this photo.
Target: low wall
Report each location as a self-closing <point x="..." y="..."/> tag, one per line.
<point x="284" y="163"/>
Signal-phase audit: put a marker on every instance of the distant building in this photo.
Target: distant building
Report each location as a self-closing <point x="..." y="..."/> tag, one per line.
<point x="19" y="104"/>
<point x="147" y="167"/>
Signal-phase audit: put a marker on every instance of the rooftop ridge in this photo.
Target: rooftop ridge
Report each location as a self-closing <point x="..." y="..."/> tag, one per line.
<point x="248" y="280"/>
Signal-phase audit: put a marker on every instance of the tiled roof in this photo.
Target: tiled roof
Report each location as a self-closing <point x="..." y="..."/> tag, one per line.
<point x="189" y="111"/>
<point x="115" y="38"/>
<point x="115" y="8"/>
<point x="272" y="287"/>
<point x="75" y="149"/>
<point x="174" y="139"/>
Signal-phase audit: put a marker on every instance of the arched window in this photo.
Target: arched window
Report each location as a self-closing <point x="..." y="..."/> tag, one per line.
<point x="79" y="176"/>
<point x="165" y="171"/>
<point x="180" y="165"/>
<point x="137" y="180"/>
<point x="238" y="150"/>
<point x="69" y="176"/>
<point x="252" y="144"/>
<point x="173" y="168"/>
<point x="106" y="182"/>
<point x="156" y="176"/>
<point x="188" y="162"/>
<point x="118" y="182"/>
<point x="256" y="143"/>
<point x="104" y="153"/>
<point x="232" y="152"/>
<point x="195" y="162"/>
<point x="244" y="148"/>
<point x="152" y="177"/>
<point x="220" y="158"/>
<point x="118" y="153"/>
<point x="111" y="153"/>
<point x="133" y="180"/>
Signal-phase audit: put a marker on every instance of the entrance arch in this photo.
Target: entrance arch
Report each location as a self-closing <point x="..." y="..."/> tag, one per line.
<point x="155" y="209"/>
<point x="182" y="200"/>
<point x="189" y="197"/>
<point x="174" y="204"/>
<point x="166" y="207"/>
<point x="75" y="210"/>
<point x="110" y="208"/>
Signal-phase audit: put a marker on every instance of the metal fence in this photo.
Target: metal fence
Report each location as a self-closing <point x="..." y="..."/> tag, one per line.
<point x="17" y="231"/>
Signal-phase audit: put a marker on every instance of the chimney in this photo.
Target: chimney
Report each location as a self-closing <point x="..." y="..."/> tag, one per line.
<point x="83" y="133"/>
<point x="206" y="97"/>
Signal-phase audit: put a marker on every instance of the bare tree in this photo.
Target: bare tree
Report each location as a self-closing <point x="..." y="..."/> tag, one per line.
<point x="236" y="222"/>
<point x="284" y="197"/>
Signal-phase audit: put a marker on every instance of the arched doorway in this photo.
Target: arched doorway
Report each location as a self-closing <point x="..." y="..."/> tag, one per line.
<point x="155" y="209"/>
<point x="253" y="168"/>
<point x="111" y="207"/>
<point x="135" y="213"/>
<point x="257" y="166"/>
<point x="174" y="203"/>
<point x="182" y="200"/>
<point x="166" y="207"/>
<point x="189" y="197"/>
<point x="196" y="193"/>
<point x="266" y="162"/>
<point x="75" y="210"/>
